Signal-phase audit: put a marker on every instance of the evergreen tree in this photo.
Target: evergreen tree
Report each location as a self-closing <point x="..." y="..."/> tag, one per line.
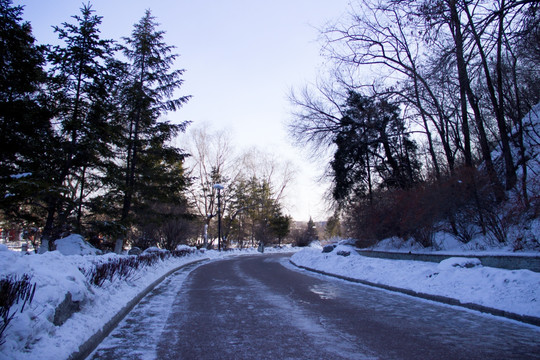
<point x="333" y="226"/>
<point x="254" y="213"/>
<point x="311" y="231"/>
<point x="372" y="135"/>
<point x="280" y="224"/>
<point x="79" y="86"/>
<point x="148" y="93"/>
<point x="26" y="138"/>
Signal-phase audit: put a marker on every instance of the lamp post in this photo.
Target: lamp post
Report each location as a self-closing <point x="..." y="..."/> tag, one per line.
<point x="219" y="187"/>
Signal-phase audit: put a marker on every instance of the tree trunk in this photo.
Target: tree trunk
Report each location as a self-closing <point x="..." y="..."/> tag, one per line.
<point x="455" y="27"/>
<point x="510" y="173"/>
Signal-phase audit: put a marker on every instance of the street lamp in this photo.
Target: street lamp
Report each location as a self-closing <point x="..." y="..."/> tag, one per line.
<point x="219" y="187"/>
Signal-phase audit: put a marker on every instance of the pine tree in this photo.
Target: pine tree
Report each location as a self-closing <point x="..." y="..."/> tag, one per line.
<point x="26" y="138"/>
<point x="79" y="78"/>
<point x="280" y="224"/>
<point x="311" y="231"/>
<point x="372" y="136"/>
<point x="147" y="94"/>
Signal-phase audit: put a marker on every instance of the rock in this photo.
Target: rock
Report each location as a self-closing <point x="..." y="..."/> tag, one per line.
<point x="328" y="248"/>
<point x="66" y="308"/>
<point x="343" y="253"/>
<point x="459" y="262"/>
<point x="134" y="251"/>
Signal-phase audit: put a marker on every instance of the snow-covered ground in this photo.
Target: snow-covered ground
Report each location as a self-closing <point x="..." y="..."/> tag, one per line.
<point x="32" y="334"/>
<point x="463" y="279"/>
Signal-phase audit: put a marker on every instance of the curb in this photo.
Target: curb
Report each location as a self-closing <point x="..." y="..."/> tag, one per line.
<point x="92" y="343"/>
<point x="533" y="320"/>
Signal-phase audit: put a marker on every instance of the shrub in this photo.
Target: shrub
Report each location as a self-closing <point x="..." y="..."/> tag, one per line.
<point x="462" y="200"/>
<point x="13" y="290"/>
<point x="182" y="253"/>
<point x="125" y="267"/>
<point x="497" y="226"/>
<point x="121" y="268"/>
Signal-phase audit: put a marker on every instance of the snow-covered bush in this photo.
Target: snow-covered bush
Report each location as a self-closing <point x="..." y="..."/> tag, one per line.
<point x="459" y="262"/>
<point x="115" y="268"/>
<point x="122" y="268"/>
<point x="15" y="292"/>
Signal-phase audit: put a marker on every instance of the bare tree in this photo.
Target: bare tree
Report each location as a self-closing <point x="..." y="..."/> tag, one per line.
<point x="212" y="161"/>
<point x="384" y="43"/>
<point x="316" y="115"/>
<point x="277" y="173"/>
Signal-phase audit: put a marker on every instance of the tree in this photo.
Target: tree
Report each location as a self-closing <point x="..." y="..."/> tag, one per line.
<point x="254" y="184"/>
<point x="254" y="213"/>
<point x="372" y="134"/>
<point x="211" y="162"/>
<point x="78" y="72"/>
<point x="311" y="231"/>
<point x="27" y="139"/>
<point x="333" y="226"/>
<point x="280" y="225"/>
<point x="383" y="36"/>
<point x="447" y="13"/>
<point x="147" y="94"/>
<point x="20" y="78"/>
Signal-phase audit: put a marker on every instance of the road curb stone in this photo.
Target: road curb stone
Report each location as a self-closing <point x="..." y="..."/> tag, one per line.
<point x="533" y="320"/>
<point x="92" y="343"/>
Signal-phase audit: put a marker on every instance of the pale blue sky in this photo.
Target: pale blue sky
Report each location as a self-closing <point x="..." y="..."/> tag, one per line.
<point x="241" y="59"/>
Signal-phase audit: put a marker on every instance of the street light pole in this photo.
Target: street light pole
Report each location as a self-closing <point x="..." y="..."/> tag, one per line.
<point x="219" y="187"/>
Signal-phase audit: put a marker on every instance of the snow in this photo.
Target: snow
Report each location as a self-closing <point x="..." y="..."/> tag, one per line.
<point x="75" y="245"/>
<point x="33" y="335"/>
<point x="19" y="176"/>
<point x="463" y="279"/>
<point x="445" y="243"/>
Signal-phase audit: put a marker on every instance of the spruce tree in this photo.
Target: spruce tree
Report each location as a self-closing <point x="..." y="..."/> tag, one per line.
<point x="79" y="78"/>
<point x="311" y="231"/>
<point x="280" y="224"/>
<point x="26" y="139"/>
<point x="150" y="166"/>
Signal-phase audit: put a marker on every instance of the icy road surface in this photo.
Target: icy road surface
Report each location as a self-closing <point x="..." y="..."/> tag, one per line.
<point x="260" y="307"/>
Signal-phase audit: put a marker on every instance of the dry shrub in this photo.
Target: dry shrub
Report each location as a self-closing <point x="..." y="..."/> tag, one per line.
<point x="124" y="268"/>
<point x="12" y="291"/>
<point x="462" y="200"/>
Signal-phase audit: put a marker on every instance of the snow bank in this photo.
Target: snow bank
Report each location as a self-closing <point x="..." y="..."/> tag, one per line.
<point x="75" y="245"/>
<point x="463" y="279"/>
<point x="32" y="333"/>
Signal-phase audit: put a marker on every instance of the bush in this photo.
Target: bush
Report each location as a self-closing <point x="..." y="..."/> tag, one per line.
<point x="121" y="268"/>
<point x="462" y="200"/>
<point x="125" y="267"/>
<point x="13" y="290"/>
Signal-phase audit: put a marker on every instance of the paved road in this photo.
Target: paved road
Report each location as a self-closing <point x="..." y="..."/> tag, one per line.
<point x="259" y="307"/>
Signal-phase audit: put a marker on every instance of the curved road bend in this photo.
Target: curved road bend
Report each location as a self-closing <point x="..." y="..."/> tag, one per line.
<point x="258" y="307"/>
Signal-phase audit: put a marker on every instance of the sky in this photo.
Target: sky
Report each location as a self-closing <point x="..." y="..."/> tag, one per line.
<point x="241" y="60"/>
